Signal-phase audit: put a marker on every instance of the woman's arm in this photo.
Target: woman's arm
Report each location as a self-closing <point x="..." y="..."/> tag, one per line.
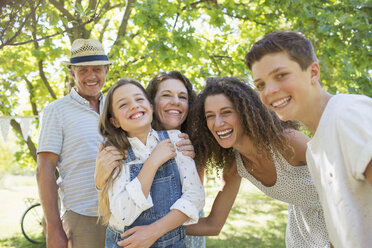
<point x="185" y="146"/>
<point x="212" y="225"/>
<point x="145" y="236"/>
<point x="193" y="196"/>
<point x="107" y="160"/>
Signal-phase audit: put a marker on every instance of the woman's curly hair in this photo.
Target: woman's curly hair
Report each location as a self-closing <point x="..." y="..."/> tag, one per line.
<point x="260" y="124"/>
<point x="153" y="87"/>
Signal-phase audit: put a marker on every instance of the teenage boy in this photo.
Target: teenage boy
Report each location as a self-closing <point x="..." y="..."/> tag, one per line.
<point x="287" y="75"/>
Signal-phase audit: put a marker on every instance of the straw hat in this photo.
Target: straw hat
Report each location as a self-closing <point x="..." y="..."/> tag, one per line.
<point x="87" y="52"/>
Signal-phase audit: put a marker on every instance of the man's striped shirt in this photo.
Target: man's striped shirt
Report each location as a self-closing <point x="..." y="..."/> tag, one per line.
<point x="69" y="128"/>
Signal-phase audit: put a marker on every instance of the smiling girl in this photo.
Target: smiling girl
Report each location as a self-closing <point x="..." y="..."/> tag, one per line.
<point x="156" y="189"/>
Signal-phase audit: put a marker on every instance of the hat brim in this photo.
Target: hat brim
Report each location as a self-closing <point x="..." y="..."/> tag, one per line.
<point x="96" y="62"/>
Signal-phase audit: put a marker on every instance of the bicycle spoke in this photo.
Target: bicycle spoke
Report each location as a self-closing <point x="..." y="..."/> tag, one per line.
<point x="31" y="224"/>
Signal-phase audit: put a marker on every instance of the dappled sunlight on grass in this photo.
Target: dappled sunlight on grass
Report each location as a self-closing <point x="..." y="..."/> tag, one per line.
<point x="17" y="191"/>
<point x="255" y="220"/>
<point x="18" y="241"/>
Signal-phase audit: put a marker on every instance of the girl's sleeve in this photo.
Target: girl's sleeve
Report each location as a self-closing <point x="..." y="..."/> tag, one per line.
<point x="127" y="200"/>
<point x="193" y="196"/>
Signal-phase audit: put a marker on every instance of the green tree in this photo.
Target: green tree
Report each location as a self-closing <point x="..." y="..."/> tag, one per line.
<point x="200" y="38"/>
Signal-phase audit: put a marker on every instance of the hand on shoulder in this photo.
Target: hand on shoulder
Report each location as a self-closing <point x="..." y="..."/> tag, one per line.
<point x="185" y="146"/>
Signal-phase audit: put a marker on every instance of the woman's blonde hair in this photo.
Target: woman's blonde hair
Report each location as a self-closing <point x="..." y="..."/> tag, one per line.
<point x="116" y="137"/>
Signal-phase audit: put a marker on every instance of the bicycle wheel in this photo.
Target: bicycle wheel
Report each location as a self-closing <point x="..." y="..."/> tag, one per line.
<point x="32" y="224"/>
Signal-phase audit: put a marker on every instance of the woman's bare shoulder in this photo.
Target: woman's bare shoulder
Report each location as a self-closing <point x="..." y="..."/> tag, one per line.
<point x="298" y="142"/>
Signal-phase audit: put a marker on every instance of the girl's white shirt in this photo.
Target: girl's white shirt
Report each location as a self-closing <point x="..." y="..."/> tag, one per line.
<point x="127" y="200"/>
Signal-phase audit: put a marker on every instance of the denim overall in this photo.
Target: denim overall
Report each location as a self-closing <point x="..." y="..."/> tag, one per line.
<point x="165" y="190"/>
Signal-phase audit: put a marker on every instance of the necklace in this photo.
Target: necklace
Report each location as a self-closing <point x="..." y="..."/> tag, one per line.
<point x="251" y="168"/>
<point x="248" y="164"/>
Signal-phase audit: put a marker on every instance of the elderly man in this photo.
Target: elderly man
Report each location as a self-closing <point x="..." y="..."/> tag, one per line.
<point x="69" y="140"/>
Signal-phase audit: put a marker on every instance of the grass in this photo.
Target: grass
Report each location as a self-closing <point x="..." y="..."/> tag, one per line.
<point x="255" y="220"/>
<point x="19" y="241"/>
<point x="15" y="192"/>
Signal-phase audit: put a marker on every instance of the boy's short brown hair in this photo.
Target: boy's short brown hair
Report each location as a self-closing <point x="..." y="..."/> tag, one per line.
<point x="296" y="45"/>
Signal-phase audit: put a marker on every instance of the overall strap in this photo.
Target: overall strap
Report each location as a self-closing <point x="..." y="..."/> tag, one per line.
<point x="163" y="134"/>
<point x="131" y="155"/>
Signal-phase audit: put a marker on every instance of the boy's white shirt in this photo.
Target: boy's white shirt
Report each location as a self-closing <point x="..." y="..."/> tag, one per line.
<point x="126" y="197"/>
<point x="338" y="155"/>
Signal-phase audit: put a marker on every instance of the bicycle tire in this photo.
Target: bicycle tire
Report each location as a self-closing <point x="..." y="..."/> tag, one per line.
<point x="33" y="216"/>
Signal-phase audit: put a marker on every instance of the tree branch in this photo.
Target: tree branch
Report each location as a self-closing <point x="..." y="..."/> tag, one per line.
<point x="30" y="144"/>
<point x="11" y="16"/>
<point x="30" y="88"/>
<point x="104" y="26"/>
<point x="61" y="8"/>
<point x="107" y="8"/>
<point x="93" y="18"/>
<point x="124" y="23"/>
<point x="9" y="41"/>
<point x="245" y="18"/>
<point x="40" y="61"/>
<point x="45" y="80"/>
<point x="134" y="61"/>
<point x="93" y="5"/>
<point x="175" y="22"/>
<point x="221" y="56"/>
<point x="216" y="64"/>
<point x="215" y="3"/>
<point x="194" y="4"/>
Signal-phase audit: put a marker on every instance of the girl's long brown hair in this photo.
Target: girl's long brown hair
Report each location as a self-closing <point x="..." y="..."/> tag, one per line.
<point x="116" y="137"/>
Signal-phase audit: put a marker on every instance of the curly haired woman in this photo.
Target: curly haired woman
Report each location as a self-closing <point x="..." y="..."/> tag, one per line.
<point x="238" y="134"/>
